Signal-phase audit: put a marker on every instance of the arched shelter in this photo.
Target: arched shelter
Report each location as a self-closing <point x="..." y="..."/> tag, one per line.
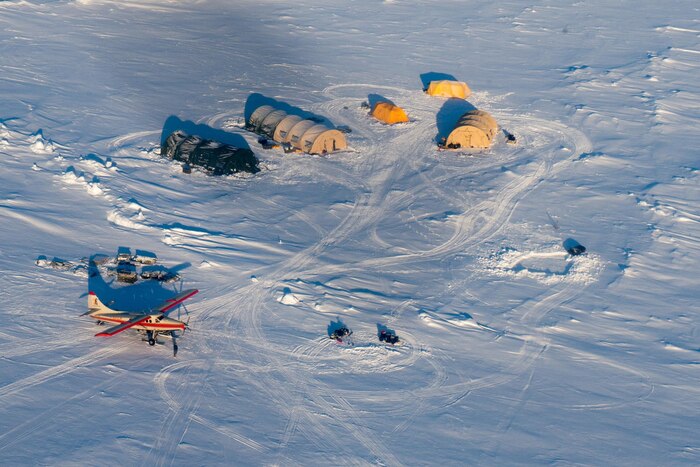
<point x="474" y="129"/>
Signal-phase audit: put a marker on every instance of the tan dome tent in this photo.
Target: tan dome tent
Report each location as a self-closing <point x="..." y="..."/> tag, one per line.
<point x="303" y="134"/>
<point x="389" y="113"/>
<point x="447" y="88"/>
<point x="257" y="117"/>
<point x="281" y="134"/>
<point x="320" y="139"/>
<point x="298" y="131"/>
<point x="474" y="129"/>
<point x="270" y="122"/>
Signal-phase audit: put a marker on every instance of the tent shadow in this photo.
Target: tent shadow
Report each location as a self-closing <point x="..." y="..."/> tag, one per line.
<point x="426" y="78"/>
<point x="174" y="123"/>
<point x="374" y="99"/>
<point x="138" y="297"/>
<point x="256" y="100"/>
<point x="449" y="114"/>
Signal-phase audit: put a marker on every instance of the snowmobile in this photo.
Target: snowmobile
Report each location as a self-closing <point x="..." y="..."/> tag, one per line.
<point x="388" y="337"/>
<point x="341" y="333"/>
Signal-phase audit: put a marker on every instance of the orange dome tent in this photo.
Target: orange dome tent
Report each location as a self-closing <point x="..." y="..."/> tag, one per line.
<point x="389" y="113"/>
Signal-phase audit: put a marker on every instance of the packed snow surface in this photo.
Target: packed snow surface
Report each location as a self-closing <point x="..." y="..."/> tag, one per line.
<point x="511" y="350"/>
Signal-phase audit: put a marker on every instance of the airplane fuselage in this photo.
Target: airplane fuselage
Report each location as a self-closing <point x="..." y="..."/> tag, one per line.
<point x="153" y="323"/>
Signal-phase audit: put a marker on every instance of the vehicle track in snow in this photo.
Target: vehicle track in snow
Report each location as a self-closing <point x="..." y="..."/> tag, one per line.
<point x="33" y="427"/>
<point x="368" y="209"/>
<point x="306" y="402"/>
<point x="468" y="233"/>
<point x="60" y="370"/>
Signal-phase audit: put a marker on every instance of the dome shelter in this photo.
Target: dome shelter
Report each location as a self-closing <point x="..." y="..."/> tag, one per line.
<point x="281" y="133"/>
<point x="389" y="113"/>
<point x="474" y="129"/>
<point x="303" y="134"/>
<point x="448" y="88"/>
<point x="257" y="117"/>
<point x="298" y="131"/>
<point x="319" y="139"/>
<point x="270" y="122"/>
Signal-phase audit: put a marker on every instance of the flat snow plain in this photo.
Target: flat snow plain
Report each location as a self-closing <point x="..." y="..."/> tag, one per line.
<point x="512" y="351"/>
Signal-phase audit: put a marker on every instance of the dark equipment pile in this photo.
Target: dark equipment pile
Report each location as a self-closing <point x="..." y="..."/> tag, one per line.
<point x="213" y="157"/>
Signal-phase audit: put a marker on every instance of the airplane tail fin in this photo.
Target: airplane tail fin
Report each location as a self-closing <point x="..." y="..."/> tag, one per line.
<point x="96" y="306"/>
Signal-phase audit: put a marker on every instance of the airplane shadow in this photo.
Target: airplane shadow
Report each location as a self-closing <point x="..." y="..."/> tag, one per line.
<point x="140" y="296"/>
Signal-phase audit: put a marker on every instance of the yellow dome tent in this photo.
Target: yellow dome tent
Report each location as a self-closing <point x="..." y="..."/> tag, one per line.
<point x="389" y="113"/>
<point x="474" y="129"/>
<point x="447" y="88"/>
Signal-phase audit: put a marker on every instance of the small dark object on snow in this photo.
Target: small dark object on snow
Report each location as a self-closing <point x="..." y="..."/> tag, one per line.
<point x="388" y="337"/>
<point x="145" y="257"/>
<point x="158" y="273"/>
<point x="126" y="272"/>
<point x="510" y="137"/>
<point x="573" y="247"/>
<point x="339" y="333"/>
<point x="214" y="157"/>
<point x="365" y="105"/>
<point x="123" y="253"/>
<point x="186" y="168"/>
<point x="267" y="144"/>
<point x="442" y="144"/>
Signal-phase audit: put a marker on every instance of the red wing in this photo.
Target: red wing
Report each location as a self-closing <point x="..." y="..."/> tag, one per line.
<point x="123" y="326"/>
<point x="171" y="303"/>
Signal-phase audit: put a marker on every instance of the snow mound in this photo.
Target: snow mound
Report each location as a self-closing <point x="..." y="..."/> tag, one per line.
<point x="549" y="267"/>
<point x="288" y="298"/>
<point x="40" y="145"/>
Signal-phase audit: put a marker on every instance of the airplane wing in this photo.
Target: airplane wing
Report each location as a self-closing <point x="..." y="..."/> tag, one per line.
<point x="123" y="326"/>
<point x="171" y="303"/>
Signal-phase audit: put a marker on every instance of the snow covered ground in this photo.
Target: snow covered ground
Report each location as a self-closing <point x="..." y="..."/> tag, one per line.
<point x="512" y="352"/>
